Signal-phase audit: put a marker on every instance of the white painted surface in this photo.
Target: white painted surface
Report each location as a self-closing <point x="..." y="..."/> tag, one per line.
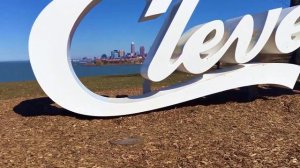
<point x="53" y="30"/>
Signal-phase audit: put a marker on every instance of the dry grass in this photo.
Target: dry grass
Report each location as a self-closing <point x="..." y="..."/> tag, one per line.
<point x="95" y="84"/>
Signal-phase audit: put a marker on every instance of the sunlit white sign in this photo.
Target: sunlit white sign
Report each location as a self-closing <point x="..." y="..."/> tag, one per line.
<point x="236" y="41"/>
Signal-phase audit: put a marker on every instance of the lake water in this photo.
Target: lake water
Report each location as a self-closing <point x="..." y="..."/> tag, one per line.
<point x="21" y="71"/>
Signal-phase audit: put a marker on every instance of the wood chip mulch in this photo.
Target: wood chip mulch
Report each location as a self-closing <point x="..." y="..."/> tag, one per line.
<point x="222" y="130"/>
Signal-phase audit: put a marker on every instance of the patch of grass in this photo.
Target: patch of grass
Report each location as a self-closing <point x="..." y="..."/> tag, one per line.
<point x="99" y="83"/>
<point x="20" y="89"/>
<point x="95" y="84"/>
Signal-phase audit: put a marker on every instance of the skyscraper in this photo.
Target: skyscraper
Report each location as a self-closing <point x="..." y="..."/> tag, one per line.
<point x="114" y="54"/>
<point x="122" y="53"/>
<point x="132" y="49"/>
<point x="142" y="51"/>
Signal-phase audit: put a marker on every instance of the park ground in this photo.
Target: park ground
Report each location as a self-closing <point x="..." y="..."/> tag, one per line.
<point x="223" y="130"/>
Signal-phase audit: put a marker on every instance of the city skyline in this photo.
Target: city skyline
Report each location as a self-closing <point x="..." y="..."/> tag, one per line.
<point x="111" y="25"/>
<point x="114" y="53"/>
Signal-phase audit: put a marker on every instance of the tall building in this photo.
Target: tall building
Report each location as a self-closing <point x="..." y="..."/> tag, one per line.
<point x="132" y="49"/>
<point x="114" y="54"/>
<point x="142" y="51"/>
<point x="122" y="53"/>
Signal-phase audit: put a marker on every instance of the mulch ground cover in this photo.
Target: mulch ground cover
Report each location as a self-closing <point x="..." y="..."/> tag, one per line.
<point x="223" y="130"/>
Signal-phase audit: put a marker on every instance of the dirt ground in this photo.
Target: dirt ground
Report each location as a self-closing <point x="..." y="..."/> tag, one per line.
<point x="223" y="130"/>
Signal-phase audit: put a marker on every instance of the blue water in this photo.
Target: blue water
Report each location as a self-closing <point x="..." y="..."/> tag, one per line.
<point x="21" y="71"/>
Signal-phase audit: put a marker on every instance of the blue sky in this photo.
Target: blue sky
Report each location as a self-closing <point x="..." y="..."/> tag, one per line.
<point x="113" y="24"/>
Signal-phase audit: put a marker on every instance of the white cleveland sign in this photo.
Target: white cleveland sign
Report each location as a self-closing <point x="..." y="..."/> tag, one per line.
<point x="236" y="41"/>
